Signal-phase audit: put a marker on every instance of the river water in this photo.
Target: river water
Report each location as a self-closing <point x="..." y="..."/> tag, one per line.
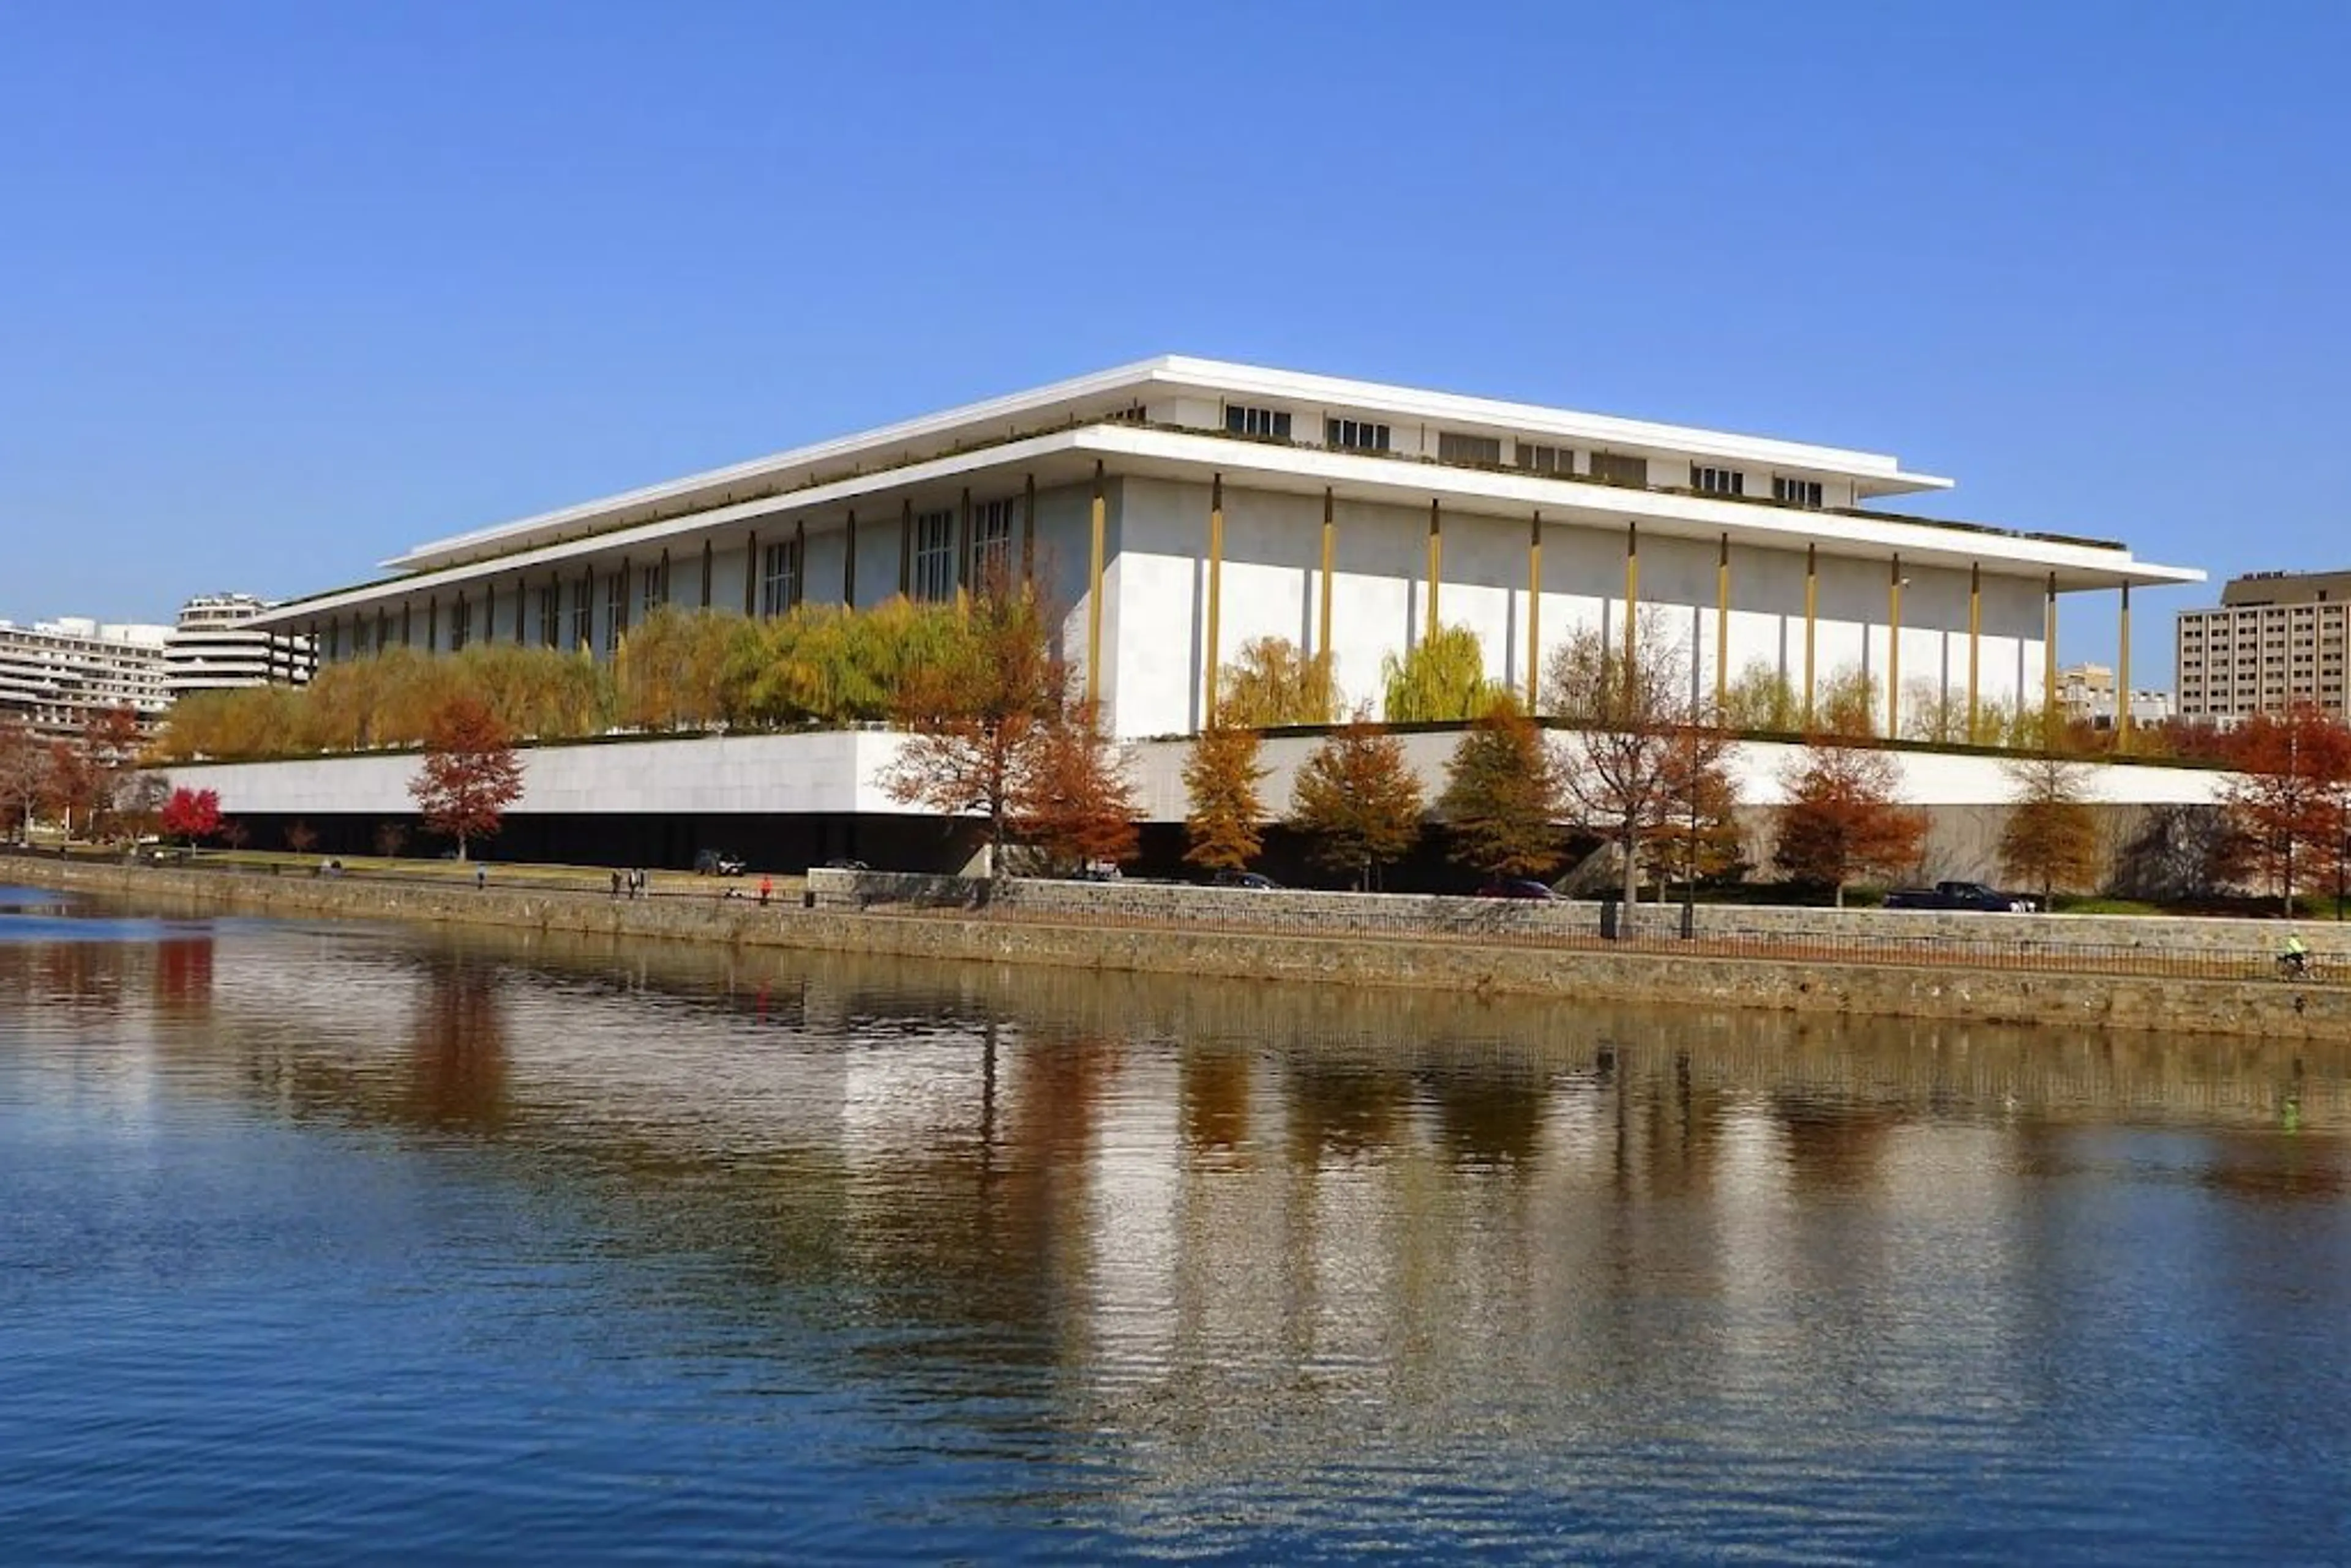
<point x="344" y="1243"/>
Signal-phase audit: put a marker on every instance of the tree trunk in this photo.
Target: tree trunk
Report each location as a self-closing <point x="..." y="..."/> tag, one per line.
<point x="1632" y="874"/>
<point x="1840" y="896"/>
<point x="460" y="849"/>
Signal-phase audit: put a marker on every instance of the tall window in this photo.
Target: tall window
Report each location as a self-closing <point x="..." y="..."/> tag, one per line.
<point x="460" y="623"/>
<point x="550" y="614"/>
<point x="1546" y="459"/>
<point x="1717" y="481"/>
<point x="1485" y="450"/>
<point x="779" y="577"/>
<point x="616" y="610"/>
<point x="991" y="542"/>
<point x="934" y="554"/>
<point x="655" y="590"/>
<point x="583" y="614"/>
<point x="1616" y="468"/>
<point x="1355" y="434"/>
<point x="1796" y="492"/>
<point x="1273" y="423"/>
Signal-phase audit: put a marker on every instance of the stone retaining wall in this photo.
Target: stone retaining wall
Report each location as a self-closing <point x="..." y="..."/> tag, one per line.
<point x="2263" y="1008"/>
<point x="1406" y="915"/>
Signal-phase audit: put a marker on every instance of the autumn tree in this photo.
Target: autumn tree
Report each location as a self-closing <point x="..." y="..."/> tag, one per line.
<point x="2287" y="796"/>
<point x="192" y="814"/>
<point x="1220" y="783"/>
<point x="71" y="792"/>
<point x="1271" y="684"/>
<point x="1642" y="745"/>
<point x="24" y="776"/>
<point x="301" y="837"/>
<point x="1442" y="678"/>
<point x="1071" y="798"/>
<point x="1699" y="837"/>
<point x="2050" y="838"/>
<point x="110" y="747"/>
<point x="974" y="713"/>
<point x="1843" y="818"/>
<point x="1760" y="700"/>
<point x="470" y="773"/>
<point x="671" y="671"/>
<point x="1357" y="800"/>
<point x="1502" y="799"/>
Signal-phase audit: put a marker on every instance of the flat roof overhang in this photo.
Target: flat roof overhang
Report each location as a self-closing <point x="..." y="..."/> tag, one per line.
<point x="1069" y="456"/>
<point x="1082" y="398"/>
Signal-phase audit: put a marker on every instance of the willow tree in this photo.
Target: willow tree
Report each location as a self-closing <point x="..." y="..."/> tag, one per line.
<point x="1441" y="677"/>
<point x="1271" y="684"/>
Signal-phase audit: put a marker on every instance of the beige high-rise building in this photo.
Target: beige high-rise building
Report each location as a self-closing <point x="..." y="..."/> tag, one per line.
<point x="2279" y="639"/>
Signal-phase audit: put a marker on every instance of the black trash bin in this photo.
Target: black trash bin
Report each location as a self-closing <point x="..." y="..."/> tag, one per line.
<point x="1609" y="909"/>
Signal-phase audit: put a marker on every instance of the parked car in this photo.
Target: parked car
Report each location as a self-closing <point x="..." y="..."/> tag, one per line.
<point x="1257" y="881"/>
<point x="841" y="862"/>
<point x="1960" y="895"/>
<point x="1515" y="887"/>
<point x="716" y="862"/>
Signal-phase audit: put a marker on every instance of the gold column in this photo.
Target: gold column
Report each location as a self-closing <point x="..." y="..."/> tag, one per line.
<point x="1029" y="529"/>
<point x="962" y="541"/>
<point x="1722" y="628"/>
<point x="905" y="547"/>
<point x="1894" y="651"/>
<point x="1812" y="624"/>
<point x="1632" y="592"/>
<point x="2049" y="663"/>
<point x="1329" y="552"/>
<point x="1975" y="651"/>
<point x="1094" y="592"/>
<point x="1215" y="585"/>
<point x="1534" y="613"/>
<point x="2122" y="681"/>
<point x="1436" y="563"/>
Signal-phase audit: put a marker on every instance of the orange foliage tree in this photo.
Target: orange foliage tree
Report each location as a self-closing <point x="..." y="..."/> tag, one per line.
<point x="1844" y="819"/>
<point x="1072" y="799"/>
<point x="192" y="814"/>
<point x="470" y="774"/>
<point x="1501" y="800"/>
<point x="24" y="776"/>
<point x="976" y="711"/>
<point x="1220" y="782"/>
<point x="2289" y="797"/>
<point x="1357" y="800"/>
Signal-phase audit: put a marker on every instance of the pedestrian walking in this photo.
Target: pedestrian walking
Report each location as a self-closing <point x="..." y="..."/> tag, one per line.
<point x="481" y="876"/>
<point x="767" y="886"/>
<point x="616" y="882"/>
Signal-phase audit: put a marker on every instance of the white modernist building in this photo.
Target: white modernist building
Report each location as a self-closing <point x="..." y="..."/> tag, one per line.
<point x="1181" y="507"/>
<point x="216" y="647"/>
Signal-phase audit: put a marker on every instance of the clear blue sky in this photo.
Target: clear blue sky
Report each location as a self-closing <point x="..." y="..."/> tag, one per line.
<point x="286" y="287"/>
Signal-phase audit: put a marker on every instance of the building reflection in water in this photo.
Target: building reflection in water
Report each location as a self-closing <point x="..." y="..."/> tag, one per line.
<point x="1185" y="1211"/>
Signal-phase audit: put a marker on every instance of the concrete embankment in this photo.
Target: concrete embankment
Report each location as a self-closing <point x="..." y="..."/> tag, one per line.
<point x="2264" y="1009"/>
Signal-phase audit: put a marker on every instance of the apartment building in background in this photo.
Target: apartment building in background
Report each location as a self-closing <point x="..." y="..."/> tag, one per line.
<point x="54" y="675"/>
<point x="2085" y="694"/>
<point x="216" y="648"/>
<point x="2278" y="639"/>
